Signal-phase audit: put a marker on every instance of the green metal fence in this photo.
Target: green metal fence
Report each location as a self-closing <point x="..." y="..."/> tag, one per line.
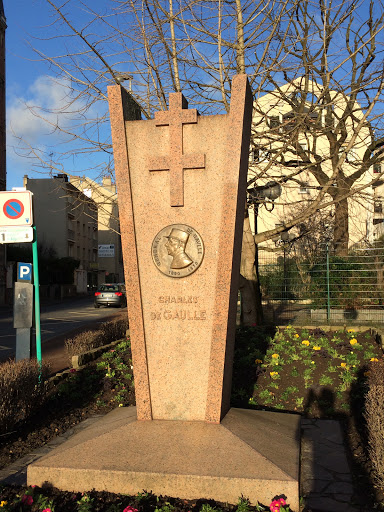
<point x="320" y="286"/>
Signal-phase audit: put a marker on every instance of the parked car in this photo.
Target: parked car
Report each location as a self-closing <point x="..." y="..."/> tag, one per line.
<point x="110" y="295"/>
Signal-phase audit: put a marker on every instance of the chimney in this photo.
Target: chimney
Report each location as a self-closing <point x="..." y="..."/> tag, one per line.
<point x="25" y="180"/>
<point x="107" y="183"/>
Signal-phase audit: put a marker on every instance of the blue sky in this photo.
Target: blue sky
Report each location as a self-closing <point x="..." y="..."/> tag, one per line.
<point x="27" y="83"/>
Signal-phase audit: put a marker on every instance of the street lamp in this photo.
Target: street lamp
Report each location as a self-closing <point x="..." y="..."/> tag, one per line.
<point x="264" y="194"/>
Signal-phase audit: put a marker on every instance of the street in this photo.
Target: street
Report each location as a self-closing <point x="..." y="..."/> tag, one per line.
<point x="56" y="320"/>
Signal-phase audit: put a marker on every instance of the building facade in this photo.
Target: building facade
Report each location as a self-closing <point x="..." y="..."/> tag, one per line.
<point x="110" y="259"/>
<point x="3" y="172"/>
<point x="66" y="222"/>
<point x="298" y="146"/>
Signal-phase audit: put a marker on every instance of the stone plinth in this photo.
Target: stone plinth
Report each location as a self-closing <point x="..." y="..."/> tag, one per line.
<point x="251" y="453"/>
<point x="182" y="174"/>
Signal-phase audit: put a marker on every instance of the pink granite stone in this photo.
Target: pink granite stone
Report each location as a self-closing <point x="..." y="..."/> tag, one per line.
<point x="182" y="169"/>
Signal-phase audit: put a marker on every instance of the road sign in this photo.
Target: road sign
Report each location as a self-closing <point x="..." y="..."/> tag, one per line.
<point x="16" y="234"/>
<point x="24" y="272"/>
<point x="106" y="251"/>
<point x="16" y="208"/>
<point x="13" y="209"/>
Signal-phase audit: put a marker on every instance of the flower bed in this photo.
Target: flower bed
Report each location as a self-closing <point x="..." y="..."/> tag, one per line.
<point x="35" y="499"/>
<point x="321" y="373"/>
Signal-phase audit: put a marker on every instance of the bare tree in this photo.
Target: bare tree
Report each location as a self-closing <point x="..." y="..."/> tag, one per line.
<point x="323" y="61"/>
<point x="325" y="121"/>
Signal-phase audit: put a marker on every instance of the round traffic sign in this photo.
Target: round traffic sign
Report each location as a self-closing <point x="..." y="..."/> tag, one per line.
<point x="13" y="209"/>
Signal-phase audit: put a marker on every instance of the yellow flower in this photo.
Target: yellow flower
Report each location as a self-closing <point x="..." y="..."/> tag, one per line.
<point x="353" y="341"/>
<point x="343" y="365"/>
<point x="312" y="362"/>
<point x="121" y="405"/>
<point x="297" y="336"/>
<point x="373" y="359"/>
<point x="316" y="348"/>
<point x="273" y="374"/>
<point x="305" y="342"/>
<point x="258" y="361"/>
<point x="275" y="356"/>
<point x="351" y="330"/>
<point x="3" y="503"/>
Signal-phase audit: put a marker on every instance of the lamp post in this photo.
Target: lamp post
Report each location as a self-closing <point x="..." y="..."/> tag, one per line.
<point x="263" y="195"/>
<point x="259" y="196"/>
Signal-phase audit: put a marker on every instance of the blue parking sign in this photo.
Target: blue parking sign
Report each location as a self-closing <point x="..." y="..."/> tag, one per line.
<point x="24" y="272"/>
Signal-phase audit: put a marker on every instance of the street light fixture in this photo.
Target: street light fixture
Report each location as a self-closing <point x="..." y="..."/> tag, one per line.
<point x="264" y="194"/>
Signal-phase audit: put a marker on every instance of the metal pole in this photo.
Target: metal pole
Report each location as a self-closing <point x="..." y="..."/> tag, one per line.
<point x="328" y="288"/>
<point x="37" y="295"/>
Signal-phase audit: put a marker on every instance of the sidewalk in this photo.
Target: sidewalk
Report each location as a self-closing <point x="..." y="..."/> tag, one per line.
<point x="325" y="481"/>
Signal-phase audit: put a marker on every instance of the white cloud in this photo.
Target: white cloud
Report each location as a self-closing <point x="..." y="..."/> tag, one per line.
<point x="33" y="118"/>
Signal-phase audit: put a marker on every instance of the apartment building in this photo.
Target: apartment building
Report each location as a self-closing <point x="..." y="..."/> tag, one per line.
<point x="292" y="150"/>
<point x="3" y="26"/>
<point x="110" y="259"/>
<point x="66" y="221"/>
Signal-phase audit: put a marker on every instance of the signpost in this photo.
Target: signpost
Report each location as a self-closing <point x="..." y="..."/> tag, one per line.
<point x="24" y="272"/>
<point x="106" y="250"/>
<point x="22" y="310"/>
<point x="16" y="208"/>
<point x="16" y="234"/>
<point x="16" y="226"/>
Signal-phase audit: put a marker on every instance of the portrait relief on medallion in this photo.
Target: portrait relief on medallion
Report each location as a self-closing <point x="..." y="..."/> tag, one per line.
<point x="177" y="250"/>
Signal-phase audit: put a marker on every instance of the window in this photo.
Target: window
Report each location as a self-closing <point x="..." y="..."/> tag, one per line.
<point x="304" y="188"/>
<point x="274" y="122"/>
<point x="259" y="155"/>
<point x="289" y="121"/>
<point x="313" y="120"/>
<point x="352" y="155"/>
<point x="378" y="207"/>
<point x="377" y="168"/>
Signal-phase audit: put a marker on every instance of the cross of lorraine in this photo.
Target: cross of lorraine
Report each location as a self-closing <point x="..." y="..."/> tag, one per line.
<point x="176" y="163"/>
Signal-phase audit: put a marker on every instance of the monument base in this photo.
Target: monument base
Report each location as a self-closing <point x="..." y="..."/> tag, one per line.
<point x="250" y="453"/>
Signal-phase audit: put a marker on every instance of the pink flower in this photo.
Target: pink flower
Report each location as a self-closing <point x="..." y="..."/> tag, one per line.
<point x="282" y="501"/>
<point x="275" y="506"/>
<point x="47" y="510"/>
<point x="130" y="509"/>
<point x="28" y="500"/>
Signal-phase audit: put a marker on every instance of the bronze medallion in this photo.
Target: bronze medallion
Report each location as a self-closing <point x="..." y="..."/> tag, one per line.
<point x="177" y="250"/>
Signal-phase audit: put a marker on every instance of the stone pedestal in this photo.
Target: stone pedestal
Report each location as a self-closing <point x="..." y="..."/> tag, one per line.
<point x="250" y="453"/>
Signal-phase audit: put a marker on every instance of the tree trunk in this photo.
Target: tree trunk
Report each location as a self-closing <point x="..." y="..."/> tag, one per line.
<point x="341" y="232"/>
<point x="251" y="307"/>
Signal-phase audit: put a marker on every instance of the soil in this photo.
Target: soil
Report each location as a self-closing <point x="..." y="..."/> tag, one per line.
<point x="61" y="412"/>
<point x="107" y="502"/>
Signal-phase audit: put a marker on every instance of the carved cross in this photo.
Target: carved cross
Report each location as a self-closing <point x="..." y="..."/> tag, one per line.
<point x="177" y="115"/>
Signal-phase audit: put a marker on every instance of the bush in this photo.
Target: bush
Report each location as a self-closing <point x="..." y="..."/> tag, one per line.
<point x="88" y="340"/>
<point x="21" y="390"/>
<point x="83" y="342"/>
<point x="374" y="415"/>
<point x="114" y="330"/>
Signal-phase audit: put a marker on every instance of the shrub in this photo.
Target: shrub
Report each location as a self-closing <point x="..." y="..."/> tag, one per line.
<point x="22" y="391"/>
<point x="88" y="340"/>
<point x="114" y="330"/>
<point x="83" y="342"/>
<point x="374" y="415"/>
